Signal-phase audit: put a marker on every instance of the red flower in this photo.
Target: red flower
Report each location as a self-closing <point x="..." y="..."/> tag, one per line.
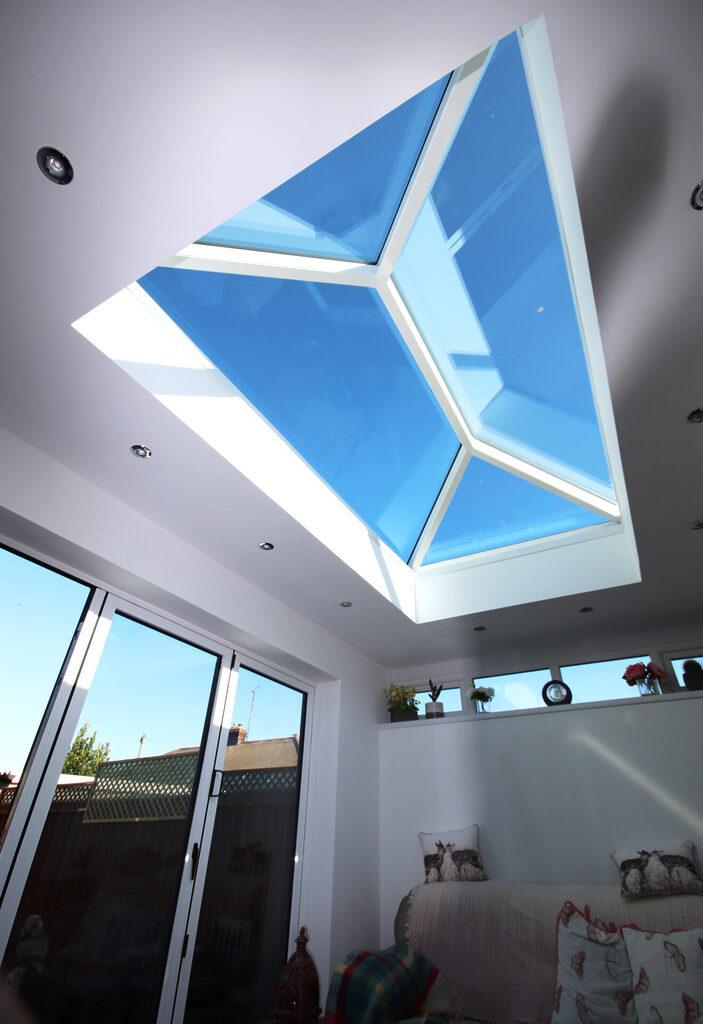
<point x="654" y="670"/>
<point x="635" y="672"/>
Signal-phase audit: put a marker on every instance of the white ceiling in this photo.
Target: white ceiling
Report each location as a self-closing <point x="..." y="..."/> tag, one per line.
<point x="177" y="115"/>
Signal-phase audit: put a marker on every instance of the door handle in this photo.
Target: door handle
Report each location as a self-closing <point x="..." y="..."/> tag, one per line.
<point x="216" y="783"/>
<point x="193" y="860"/>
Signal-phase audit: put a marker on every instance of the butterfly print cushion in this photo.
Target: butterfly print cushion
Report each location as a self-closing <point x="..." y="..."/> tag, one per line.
<point x="667" y="968"/>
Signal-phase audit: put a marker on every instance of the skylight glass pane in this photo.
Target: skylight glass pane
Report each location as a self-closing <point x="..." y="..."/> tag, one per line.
<point x="326" y="366"/>
<point x="343" y="205"/>
<point x="485" y="277"/>
<point x="492" y="508"/>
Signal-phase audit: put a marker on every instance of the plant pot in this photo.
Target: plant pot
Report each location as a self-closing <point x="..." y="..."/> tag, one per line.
<point x="434" y="709"/>
<point x="403" y="716"/>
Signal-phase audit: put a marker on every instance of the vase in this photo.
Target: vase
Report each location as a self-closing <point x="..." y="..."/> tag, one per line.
<point x="434" y="709"/>
<point x="481" y="707"/>
<point x="648" y="687"/>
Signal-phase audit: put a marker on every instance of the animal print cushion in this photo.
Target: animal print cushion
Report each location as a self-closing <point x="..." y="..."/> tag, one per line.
<point x="452" y="856"/>
<point x="594" y="980"/>
<point x="658" y="872"/>
<point x="667" y="970"/>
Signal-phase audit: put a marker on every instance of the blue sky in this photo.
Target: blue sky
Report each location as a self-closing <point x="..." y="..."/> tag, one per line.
<point x="147" y="684"/>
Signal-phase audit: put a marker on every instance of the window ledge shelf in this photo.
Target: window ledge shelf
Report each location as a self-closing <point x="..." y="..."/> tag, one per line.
<point x="467" y="716"/>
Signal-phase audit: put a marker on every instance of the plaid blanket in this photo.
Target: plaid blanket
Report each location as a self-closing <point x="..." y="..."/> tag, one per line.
<point x="380" y="988"/>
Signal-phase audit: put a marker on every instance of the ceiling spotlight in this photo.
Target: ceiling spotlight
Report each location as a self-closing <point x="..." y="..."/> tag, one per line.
<point x="141" y="451"/>
<point x="54" y="165"/>
<point x="696" y="416"/>
<point x="345" y="604"/>
<point x="479" y="629"/>
<point x="697" y="197"/>
<point x="697" y="524"/>
<point x="266" y="545"/>
<point x="586" y="608"/>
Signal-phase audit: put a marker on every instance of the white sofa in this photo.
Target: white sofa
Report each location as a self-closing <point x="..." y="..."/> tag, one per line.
<point x="496" y="941"/>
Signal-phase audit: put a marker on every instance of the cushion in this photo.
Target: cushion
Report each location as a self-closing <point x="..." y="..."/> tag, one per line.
<point x="594" y="980"/>
<point x="658" y="872"/>
<point x="375" y="988"/>
<point x="452" y="856"/>
<point x="667" y="969"/>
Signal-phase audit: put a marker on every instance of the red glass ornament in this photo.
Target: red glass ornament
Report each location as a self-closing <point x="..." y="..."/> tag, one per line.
<point x="298" y="994"/>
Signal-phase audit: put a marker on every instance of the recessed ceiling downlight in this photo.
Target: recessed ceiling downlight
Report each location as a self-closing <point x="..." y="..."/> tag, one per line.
<point x="697" y="524"/>
<point x="697" y="197"/>
<point x="266" y="545"/>
<point x="141" y="451"/>
<point x="54" y="165"/>
<point x="695" y="416"/>
<point x="586" y="609"/>
<point x="345" y="604"/>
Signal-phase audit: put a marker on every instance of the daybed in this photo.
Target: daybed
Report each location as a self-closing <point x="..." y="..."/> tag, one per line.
<point x="496" y="941"/>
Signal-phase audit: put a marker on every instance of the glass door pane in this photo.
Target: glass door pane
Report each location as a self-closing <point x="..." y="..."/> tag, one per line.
<point x="243" y="928"/>
<point x="91" y="935"/>
<point x="39" y="612"/>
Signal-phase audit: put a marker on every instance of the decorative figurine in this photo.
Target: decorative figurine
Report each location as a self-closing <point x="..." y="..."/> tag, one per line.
<point x="298" y="994"/>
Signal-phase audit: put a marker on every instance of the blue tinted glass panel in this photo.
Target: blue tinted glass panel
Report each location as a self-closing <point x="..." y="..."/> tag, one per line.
<point x="326" y="367"/>
<point x="601" y="680"/>
<point x="342" y="205"/>
<point x="677" y="665"/>
<point x="451" y="699"/>
<point x="516" y="691"/>
<point x="492" y="508"/>
<point x="485" y="277"/>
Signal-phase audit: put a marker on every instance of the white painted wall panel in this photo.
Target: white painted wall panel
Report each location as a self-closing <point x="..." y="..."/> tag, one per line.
<point x="553" y="792"/>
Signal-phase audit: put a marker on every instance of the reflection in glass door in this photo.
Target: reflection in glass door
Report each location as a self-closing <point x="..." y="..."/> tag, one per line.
<point x="244" y="922"/>
<point x="91" y="936"/>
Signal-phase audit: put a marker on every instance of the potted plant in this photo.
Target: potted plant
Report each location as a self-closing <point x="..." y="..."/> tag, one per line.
<point x="433" y="707"/>
<point x="401" y="703"/>
<point x="647" y="678"/>
<point x="481" y="695"/>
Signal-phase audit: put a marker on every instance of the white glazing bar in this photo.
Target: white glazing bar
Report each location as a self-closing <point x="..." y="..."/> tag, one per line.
<point x="458" y="94"/>
<point x="422" y="356"/>
<point x="440" y="507"/>
<point x="219" y="259"/>
<point x="519" y="467"/>
<point x="549" y="481"/>
<point x="544" y="92"/>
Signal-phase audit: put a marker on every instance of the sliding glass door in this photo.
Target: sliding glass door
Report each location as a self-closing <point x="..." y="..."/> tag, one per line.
<point x="150" y="820"/>
<point x="244" y="898"/>
<point x="103" y="908"/>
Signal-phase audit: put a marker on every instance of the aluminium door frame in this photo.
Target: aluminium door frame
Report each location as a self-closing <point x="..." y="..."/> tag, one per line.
<point x="243" y="660"/>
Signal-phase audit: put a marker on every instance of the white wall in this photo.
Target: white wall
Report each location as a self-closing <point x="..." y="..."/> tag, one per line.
<point x="62" y="516"/>
<point x="553" y="791"/>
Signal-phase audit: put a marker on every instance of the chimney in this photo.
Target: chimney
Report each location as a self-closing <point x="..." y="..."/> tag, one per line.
<point x="237" y="734"/>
